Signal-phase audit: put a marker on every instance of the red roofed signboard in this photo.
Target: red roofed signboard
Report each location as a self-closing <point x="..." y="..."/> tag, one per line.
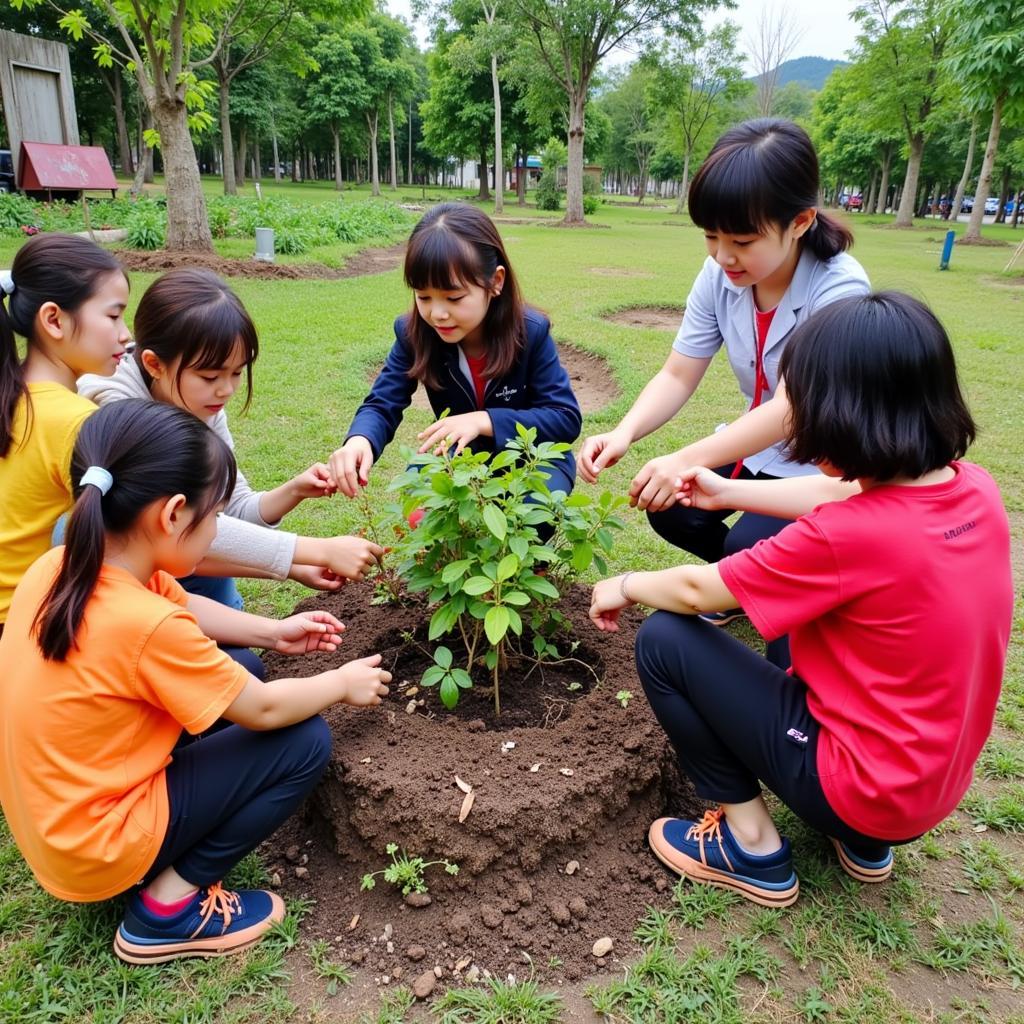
<point x="46" y="166"/>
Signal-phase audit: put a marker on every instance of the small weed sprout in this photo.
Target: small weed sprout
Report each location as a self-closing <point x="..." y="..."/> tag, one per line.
<point x="624" y="697"/>
<point x="494" y="550"/>
<point x="406" y="872"/>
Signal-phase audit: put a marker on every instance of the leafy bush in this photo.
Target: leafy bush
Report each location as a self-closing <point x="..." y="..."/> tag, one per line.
<point x="548" y="194"/>
<point x="479" y="555"/>
<point x="15" y="212"/>
<point x="591" y="194"/>
<point x="147" y="226"/>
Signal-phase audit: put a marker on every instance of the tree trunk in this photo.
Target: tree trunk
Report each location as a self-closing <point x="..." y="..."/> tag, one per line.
<point x="905" y="213"/>
<point x="227" y="146"/>
<point x="1016" y="208"/>
<point x="574" y="184"/>
<point x="961" y="188"/>
<point x="371" y="122"/>
<point x="521" y="175"/>
<point x="973" y="232"/>
<point x="240" y="156"/>
<point x="499" y="158"/>
<point x="296" y="164"/>
<point x="883" y="187"/>
<point x="255" y="152"/>
<point x="684" y="185"/>
<point x="116" y="86"/>
<point x="187" y="225"/>
<point x="484" y="192"/>
<point x="394" y="152"/>
<point x="869" y="203"/>
<point x="408" y="176"/>
<point x="277" y="161"/>
<point x="1004" y="195"/>
<point x="338" y="182"/>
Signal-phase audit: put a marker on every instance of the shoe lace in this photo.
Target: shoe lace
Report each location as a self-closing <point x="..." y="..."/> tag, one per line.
<point x="221" y="901"/>
<point x="709" y="829"/>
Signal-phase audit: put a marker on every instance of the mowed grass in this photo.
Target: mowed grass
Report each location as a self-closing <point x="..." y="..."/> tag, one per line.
<point x="941" y="942"/>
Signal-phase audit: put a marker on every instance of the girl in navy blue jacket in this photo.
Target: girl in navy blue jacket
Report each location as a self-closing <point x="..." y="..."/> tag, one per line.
<point x="474" y="345"/>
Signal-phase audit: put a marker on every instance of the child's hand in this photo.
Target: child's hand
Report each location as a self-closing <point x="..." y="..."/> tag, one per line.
<point x="315" y="482"/>
<point x="455" y="432"/>
<point x="316" y="577"/>
<point x="606" y="602"/>
<point x="653" y="488"/>
<point x="350" y="556"/>
<point x="601" y="452"/>
<point x="364" y="682"/>
<point x="350" y="465"/>
<point x="308" y="632"/>
<point x="701" y="488"/>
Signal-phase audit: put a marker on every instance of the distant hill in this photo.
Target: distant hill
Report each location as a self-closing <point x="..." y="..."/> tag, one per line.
<point x="807" y="71"/>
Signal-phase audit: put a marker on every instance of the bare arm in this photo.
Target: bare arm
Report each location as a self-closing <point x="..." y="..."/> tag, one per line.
<point x="272" y="705"/>
<point x="665" y="394"/>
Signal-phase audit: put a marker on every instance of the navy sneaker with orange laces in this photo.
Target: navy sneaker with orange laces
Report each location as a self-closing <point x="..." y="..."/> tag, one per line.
<point x="214" y="922"/>
<point x="706" y="851"/>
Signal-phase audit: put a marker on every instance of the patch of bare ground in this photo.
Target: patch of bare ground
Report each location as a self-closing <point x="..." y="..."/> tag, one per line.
<point x="367" y="261"/>
<point x="662" y="318"/>
<point x="617" y="272"/>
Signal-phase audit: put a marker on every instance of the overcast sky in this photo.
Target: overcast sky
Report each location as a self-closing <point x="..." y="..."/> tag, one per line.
<point x="827" y="30"/>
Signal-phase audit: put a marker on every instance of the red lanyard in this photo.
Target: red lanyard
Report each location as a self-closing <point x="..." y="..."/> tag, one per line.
<point x="760" y="377"/>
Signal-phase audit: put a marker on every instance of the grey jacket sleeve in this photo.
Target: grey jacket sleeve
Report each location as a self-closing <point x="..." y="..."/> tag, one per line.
<point x="271" y="551"/>
<point x="244" y="502"/>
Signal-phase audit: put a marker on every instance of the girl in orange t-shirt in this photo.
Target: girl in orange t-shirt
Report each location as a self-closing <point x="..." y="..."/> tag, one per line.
<point x="112" y="684"/>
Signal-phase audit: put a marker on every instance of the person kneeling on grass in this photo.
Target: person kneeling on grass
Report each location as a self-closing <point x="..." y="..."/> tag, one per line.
<point x="894" y="584"/>
<point x="108" y="669"/>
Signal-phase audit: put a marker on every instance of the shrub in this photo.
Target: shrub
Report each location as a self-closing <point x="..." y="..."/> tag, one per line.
<point x="147" y="226"/>
<point x="15" y="212"/>
<point x="548" y="194"/>
<point x="478" y="548"/>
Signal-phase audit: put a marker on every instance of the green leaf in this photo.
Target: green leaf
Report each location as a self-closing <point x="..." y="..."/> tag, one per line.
<point x="496" y="522"/>
<point x="443" y="657"/>
<point x="449" y="692"/>
<point x="496" y="624"/>
<point x="577" y="500"/>
<point x="476" y="585"/>
<point x="539" y="585"/>
<point x="519" y="546"/>
<point x="516" y="597"/>
<point x="507" y="567"/>
<point x="441" y="621"/>
<point x="432" y="676"/>
<point x="491" y="658"/>
<point x="453" y="570"/>
<point x="462" y="678"/>
<point x="515" y="621"/>
<point x="502" y="460"/>
<point x="582" y="556"/>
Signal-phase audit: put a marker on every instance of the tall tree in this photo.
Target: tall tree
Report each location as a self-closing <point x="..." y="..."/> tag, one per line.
<point x="400" y="76"/>
<point x="899" y="61"/>
<point x="772" y="40"/>
<point x="986" y="55"/>
<point x="694" y="83"/>
<point x="573" y="36"/>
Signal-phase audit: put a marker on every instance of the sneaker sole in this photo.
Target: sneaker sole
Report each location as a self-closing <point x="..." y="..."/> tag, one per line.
<point x="235" y="942"/>
<point x="858" y="871"/>
<point x="723" y="621"/>
<point x="686" y="866"/>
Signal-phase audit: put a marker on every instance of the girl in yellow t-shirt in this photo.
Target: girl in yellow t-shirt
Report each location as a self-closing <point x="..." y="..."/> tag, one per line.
<point x="110" y="672"/>
<point x="66" y="297"/>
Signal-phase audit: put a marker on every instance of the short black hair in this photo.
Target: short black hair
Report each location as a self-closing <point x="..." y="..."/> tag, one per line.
<point x="873" y="389"/>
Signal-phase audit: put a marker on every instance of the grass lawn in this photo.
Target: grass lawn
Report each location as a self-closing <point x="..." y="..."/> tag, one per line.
<point x="942" y="942"/>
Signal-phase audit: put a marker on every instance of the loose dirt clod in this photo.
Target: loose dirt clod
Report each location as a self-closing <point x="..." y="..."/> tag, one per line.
<point x="423" y="986"/>
<point x="418" y="899"/>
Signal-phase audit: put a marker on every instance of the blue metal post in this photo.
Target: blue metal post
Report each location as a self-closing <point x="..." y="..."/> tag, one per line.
<point x="947" y="250"/>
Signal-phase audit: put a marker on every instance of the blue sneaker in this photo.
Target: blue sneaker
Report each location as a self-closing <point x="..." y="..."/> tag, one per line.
<point x="865" y="864"/>
<point x="706" y="851"/>
<point x="214" y="923"/>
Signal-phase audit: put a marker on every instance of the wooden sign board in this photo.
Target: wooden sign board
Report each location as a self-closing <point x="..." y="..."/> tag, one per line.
<point x="48" y="167"/>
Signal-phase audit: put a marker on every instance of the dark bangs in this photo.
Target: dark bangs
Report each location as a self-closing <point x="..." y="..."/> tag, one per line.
<point x="731" y="193"/>
<point x="192" y="315"/>
<point x="452" y="246"/>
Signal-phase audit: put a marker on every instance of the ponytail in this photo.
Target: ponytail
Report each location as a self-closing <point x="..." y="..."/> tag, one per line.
<point x="128" y="455"/>
<point x="63" y="269"/>
<point x="827" y="237"/>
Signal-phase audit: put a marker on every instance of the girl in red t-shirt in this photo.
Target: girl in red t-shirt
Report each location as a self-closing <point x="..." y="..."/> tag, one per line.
<point x="894" y="585"/>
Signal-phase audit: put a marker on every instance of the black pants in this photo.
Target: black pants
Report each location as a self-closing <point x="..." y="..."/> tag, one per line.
<point x="230" y="789"/>
<point x="705" y="535"/>
<point x="736" y="720"/>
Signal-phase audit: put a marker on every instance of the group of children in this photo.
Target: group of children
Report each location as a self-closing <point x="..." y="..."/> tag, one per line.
<point x="142" y="753"/>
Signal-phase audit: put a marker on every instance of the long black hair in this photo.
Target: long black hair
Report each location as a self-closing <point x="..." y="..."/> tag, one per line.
<point x="153" y="451"/>
<point x="63" y="269"/>
<point x="456" y="244"/>
<point x="761" y="174"/>
<point x="192" y="315"/>
<point x="873" y="389"/>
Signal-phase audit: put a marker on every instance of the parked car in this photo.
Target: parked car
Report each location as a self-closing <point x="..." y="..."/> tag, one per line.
<point x="967" y="204"/>
<point x="992" y="205"/>
<point x="6" y="171"/>
<point x="855" y="203"/>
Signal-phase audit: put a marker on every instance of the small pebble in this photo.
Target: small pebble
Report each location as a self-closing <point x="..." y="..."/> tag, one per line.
<point x="302" y="872"/>
<point x="388" y="931"/>
<point x="275" y="880"/>
<point x="415" y="953"/>
<point x="603" y="947"/>
<point x="572" y="867"/>
<point x="423" y="986"/>
<point x="438" y="972"/>
<point x="418" y="899"/>
<point x="391" y="947"/>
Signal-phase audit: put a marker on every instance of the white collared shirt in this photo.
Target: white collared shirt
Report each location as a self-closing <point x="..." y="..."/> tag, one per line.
<point x="719" y="312"/>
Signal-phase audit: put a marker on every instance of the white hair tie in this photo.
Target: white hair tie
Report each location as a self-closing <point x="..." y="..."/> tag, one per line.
<point x="6" y="282"/>
<point x="98" y="477"/>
